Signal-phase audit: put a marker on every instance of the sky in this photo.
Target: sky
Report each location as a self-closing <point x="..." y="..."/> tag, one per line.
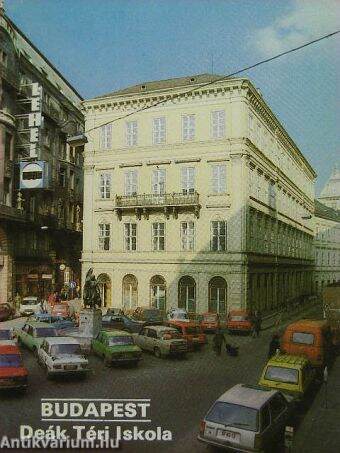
<point x="104" y="45"/>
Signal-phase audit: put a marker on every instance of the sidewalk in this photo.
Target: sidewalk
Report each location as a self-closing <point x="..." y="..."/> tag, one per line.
<point x="319" y="431"/>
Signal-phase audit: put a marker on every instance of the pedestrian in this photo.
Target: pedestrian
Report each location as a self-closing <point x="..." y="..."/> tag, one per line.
<point x="257" y="321"/>
<point x="17" y="301"/>
<point x="218" y="341"/>
<point x="274" y="345"/>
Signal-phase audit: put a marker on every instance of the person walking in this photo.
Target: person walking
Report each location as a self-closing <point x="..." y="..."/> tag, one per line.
<point x="257" y="321"/>
<point x="218" y="341"/>
<point x="274" y="345"/>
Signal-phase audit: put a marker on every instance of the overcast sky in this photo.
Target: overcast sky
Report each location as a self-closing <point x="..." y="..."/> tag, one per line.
<point x="103" y="45"/>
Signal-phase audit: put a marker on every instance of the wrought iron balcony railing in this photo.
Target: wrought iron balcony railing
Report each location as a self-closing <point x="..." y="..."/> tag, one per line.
<point x="168" y="203"/>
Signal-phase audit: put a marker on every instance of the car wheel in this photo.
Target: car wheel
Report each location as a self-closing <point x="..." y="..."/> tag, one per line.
<point x="158" y="353"/>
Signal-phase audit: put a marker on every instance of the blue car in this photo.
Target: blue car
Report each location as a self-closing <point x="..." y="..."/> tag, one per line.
<point x="57" y="322"/>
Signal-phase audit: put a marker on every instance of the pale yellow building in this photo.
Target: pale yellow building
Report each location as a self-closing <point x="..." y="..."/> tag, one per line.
<point x="199" y="198"/>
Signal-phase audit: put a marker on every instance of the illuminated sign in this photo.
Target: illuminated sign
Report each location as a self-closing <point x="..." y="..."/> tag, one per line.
<point x="34" y="175"/>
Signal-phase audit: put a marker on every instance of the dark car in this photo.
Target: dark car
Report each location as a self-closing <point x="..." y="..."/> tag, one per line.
<point x="141" y="317"/>
<point x="6" y="311"/>
<point x="58" y="322"/>
<point x="113" y="322"/>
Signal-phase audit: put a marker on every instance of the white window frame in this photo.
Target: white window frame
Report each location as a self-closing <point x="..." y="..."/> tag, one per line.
<point x="131" y="133"/>
<point x="188" y="176"/>
<point x="222" y="229"/>
<point x="217" y="123"/>
<point x="104" y="236"/>
<point x="105" y="186"/>
<point x="130" y="237"/>
<point x="188" y="127"/>
<point x="159" y="130"/>
<point x="131" y="182"/>
<point x="188" y="236"/>
<point x="158" y="233"/>
<point x="219" y="178"/>
<point x="106" y="136"/>
<point x="158" y="181"/>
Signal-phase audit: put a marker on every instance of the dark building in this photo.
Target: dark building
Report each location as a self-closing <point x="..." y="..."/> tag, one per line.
<point x="41" y="180"/>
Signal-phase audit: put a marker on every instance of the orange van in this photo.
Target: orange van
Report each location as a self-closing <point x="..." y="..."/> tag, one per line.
<point x="308" y="338"/>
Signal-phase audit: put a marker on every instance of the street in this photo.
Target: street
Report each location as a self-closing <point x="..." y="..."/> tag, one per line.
<point x="181" y="391"/>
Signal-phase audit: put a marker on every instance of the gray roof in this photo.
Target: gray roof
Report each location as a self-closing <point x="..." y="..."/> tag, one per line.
<point x="146" y="87"/>
<point x="326" y="212"/>
<point x="247" y="395"/>
<point x="332" y="187"/>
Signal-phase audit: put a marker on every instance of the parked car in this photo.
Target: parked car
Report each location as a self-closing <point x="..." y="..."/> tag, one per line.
<point x="7" y="336"/>
<point x="6" y="311"/>
<point x="246" y="418"/>
<point x="309" y="338"/>
<point x="29" y="306"/>
<point x="162" y="341"/>
<point x="211" y="321"/>
<point x="239" y="321"/>
<point x="113" y="322"/>
<point x="179" y="314"/>
<point x="192" y="332"/>
<point x="116" y="346"/>
<point x="61" y="309"/>
<point x="58" y="322"/>
<point x="13" y="374"/>
<point x="33" y="333"/>
<point x="142" y="316"/>
<point x="73" y="332"/>
<point x="62" y="355"/>
<point x="293" y="375"/>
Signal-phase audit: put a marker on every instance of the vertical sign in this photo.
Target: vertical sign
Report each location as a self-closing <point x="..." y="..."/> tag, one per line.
<point x="35" y="119"/>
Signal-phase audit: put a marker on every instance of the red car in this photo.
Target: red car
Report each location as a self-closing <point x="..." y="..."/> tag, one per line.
<point x="191" y="331"/>
<point x="61" y="309"/>
<point x="211" y="321"/>
<point x="239" y="321"/>
<point x="13" y="374"/>
<point x="6" y="311"/>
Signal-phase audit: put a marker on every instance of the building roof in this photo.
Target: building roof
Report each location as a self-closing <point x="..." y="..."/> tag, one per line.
<point x="247" y="395"/>
<point x="321" y="210"/>
<point x="177" y="82"/>
<point x="332" y="187"/>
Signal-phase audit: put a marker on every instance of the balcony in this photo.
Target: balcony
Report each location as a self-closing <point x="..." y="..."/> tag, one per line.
<point x="42" y="220"/>
<point x="11" y="213"/>
<point x="169" y="203"/>
<point x="53" y="111"/>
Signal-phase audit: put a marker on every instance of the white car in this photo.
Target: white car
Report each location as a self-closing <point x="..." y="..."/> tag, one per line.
<point x="7" y="337"/>
<point x="178" y="314"/>
<point x="30" y="305"/>
<point x="62" y="355"/>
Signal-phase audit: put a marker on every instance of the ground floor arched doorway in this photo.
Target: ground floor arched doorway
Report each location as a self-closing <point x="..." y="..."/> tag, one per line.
<point x="105" y="289"/>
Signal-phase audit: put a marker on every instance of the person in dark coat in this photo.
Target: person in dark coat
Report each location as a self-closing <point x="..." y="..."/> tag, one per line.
<point x="274" y="345"/>
<point x="257" y="321"/>
<point x="218" y="341"/>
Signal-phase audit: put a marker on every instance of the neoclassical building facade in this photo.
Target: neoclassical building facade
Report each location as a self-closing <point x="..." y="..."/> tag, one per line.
<point x="195" y="196"/>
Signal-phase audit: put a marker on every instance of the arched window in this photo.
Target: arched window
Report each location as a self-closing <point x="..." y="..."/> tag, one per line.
<point x="104" y="283"/>
<point x="130" y="291"/>
<point x="158" y="292"/>
<point x="187" y="293"/>
<point x="218" y="295"/>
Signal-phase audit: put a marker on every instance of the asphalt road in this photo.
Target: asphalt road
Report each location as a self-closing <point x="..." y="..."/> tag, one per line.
<point x="181" y="391"/>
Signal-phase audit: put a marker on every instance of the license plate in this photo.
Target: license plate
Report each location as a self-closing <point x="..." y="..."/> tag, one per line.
<point x="228" y="435"/>
<point x="70" y="367"/>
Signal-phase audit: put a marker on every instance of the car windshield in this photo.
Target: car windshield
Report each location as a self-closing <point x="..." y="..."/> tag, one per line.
<point x="238" y="318"/>
<point x="282" y="374"/>
<point x="117" y="341"/>
<point x="233" y="415"/>
<point x="169" y="334"/>
<point x="303" y="338"/>
<point x="45" y="332"/>
<point x="30" y="302"/>
<point x="193" y="330"/>
<point x="10" y="360"/>
<point x="210" y="318"/>
<point x="5" y="335"/>
<point x="58" y="349"/>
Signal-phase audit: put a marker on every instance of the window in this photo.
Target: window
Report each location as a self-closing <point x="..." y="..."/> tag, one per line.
<point x="105" y="185"/>
<point x="130" y="236"/>
<point x="72" y="179"/>
<point x="188" y="180"/>
<point x="218" y="236"/>
<point x="131" y="182"/>
<point x="158" y="182"/>
<point x="187" y="294"/>
<point x="218" y="124"/>
<point x="62" y="176"/>
<point x="233" y="415"/>
<point x="159" y="130"/>
<point x="106" y="136"/>
<point x="158" y="292"/>
<point x="104" y="236"/>
<point x="3" y="58"/>
<point x="218" y="178"/>
<point x="218" y="295"/>
<point x="265" y="417"/>
<point x="282" y="374"/>
<point x="158" y="237"/>
<point x="131" y="133"/>
<point x="130" y="291"/>
<point x="188" y="127"/>
<point x="303" y="338"/>
<point x="188" y="236"/>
